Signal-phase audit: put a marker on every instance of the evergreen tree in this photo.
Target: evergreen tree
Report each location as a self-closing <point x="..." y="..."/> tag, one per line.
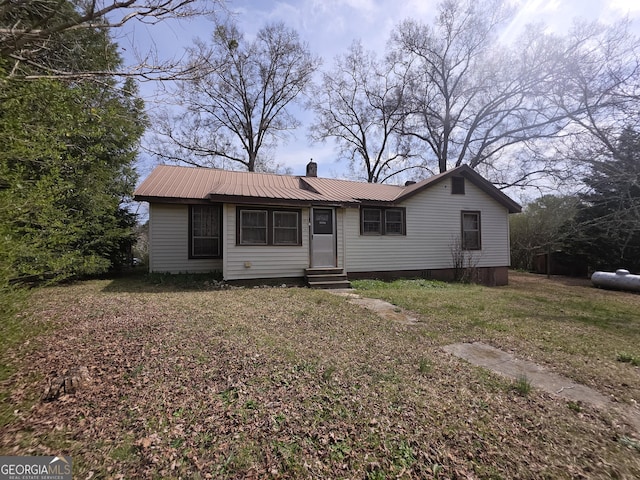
<point x="610" y="212"/>
<point x="67" y="152"/>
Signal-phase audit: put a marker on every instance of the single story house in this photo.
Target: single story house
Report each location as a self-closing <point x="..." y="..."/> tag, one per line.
<point x="253" y="226"/>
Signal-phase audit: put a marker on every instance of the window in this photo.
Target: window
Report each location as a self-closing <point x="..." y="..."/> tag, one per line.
<point x="285" y="228"/>
<point x="268" y="226"/>
<point x="204" y="230"/>
<point x="253" y="227"/>
<point x="457" y="185"/>
<point x="382" y="221"/>
<point x="471" y="231"/>
<point x="371" y="223"/>
<point x="393" y="223"/>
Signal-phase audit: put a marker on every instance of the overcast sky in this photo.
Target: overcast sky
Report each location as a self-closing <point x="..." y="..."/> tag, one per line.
<point x="330" y="26"/>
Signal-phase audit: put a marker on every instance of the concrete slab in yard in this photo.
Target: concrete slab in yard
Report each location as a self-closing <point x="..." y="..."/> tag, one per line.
<point x="508" y="365"/>
<point x="504" y="363"/>
<point x="382" y="308"/>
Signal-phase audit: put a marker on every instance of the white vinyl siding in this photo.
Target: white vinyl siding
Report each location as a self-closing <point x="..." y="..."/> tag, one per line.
<point x="432" y="219"/>
<point x="169" y="247"/>
<point x="244" y="262"/>
<point x="169" y="242"/>
<point x="433" y="225"/>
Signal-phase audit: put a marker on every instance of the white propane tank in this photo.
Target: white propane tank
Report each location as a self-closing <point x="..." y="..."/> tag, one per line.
<point x="621" y="280"/>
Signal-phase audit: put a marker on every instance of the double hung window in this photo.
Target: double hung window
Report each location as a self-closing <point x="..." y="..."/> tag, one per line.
<point x="471" y="236"/>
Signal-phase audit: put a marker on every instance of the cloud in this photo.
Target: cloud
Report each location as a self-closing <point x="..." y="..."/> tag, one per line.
<point x="625" y="6"/>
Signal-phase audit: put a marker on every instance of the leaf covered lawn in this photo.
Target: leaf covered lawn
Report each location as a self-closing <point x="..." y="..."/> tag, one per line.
<point x="280" y="383"/>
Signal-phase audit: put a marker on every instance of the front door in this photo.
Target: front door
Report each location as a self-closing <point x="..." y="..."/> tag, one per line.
<point x="323" y="237"/>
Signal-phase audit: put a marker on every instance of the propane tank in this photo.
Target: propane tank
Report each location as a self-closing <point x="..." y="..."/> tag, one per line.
<point x="621" y="280"/>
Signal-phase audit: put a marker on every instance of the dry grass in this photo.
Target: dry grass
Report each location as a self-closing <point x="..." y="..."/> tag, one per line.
<point x="295" y="383"/>
<point x="566" y="324"/>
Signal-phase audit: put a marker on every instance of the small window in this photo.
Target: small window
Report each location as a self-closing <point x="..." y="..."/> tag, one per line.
<point x="371" y="221"/>
<point x="204" y="231"/>
<point x="285" y="228"/>
<point x="393" y="222"/>
<point x="382" y="221"/>
<point x="253" y="227"/>
<point x="457" y="185"/>
<point x="471" y="235"/>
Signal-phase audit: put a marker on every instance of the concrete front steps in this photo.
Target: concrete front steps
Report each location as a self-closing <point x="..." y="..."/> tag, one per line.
<point x="326" y="277"/>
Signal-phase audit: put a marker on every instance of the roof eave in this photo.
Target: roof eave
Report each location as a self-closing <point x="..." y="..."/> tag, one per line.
<point x="246" y="200"/>
<point x="491" y="190"/>
<point x="174" y="200"/>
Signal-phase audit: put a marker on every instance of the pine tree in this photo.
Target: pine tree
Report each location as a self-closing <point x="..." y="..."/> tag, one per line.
<point x="610" y="213"/>
<point x="67" y="153"/>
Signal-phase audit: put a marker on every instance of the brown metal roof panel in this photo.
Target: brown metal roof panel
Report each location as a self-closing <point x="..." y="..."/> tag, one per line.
<point x="177" y="182"/>
<point x="355" y="190"/>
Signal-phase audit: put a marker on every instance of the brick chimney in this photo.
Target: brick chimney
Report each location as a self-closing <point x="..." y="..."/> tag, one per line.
<point x="312" y="169"/>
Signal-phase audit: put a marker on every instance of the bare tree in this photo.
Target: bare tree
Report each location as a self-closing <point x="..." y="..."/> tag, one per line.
<point x="34" y="34"/>
<point x="238" y="104"/>
<point x="360" y="105"/>
<point x="474" y="101"/>
<point x="602" y="90"/>
<point x="601" y="96"/>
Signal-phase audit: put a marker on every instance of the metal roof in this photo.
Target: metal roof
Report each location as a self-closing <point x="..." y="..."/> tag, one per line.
<point x="344" y="189"/>
<point x="169" y="183"/>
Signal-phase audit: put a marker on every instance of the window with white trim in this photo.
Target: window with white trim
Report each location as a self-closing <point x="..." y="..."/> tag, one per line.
<point x="471" y="233"/>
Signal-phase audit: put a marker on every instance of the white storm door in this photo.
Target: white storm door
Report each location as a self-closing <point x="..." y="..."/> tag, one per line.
<point x="323" y="237"/>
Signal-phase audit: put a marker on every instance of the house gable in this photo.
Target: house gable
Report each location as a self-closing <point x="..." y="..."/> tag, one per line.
<point x="469" y="174"/>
